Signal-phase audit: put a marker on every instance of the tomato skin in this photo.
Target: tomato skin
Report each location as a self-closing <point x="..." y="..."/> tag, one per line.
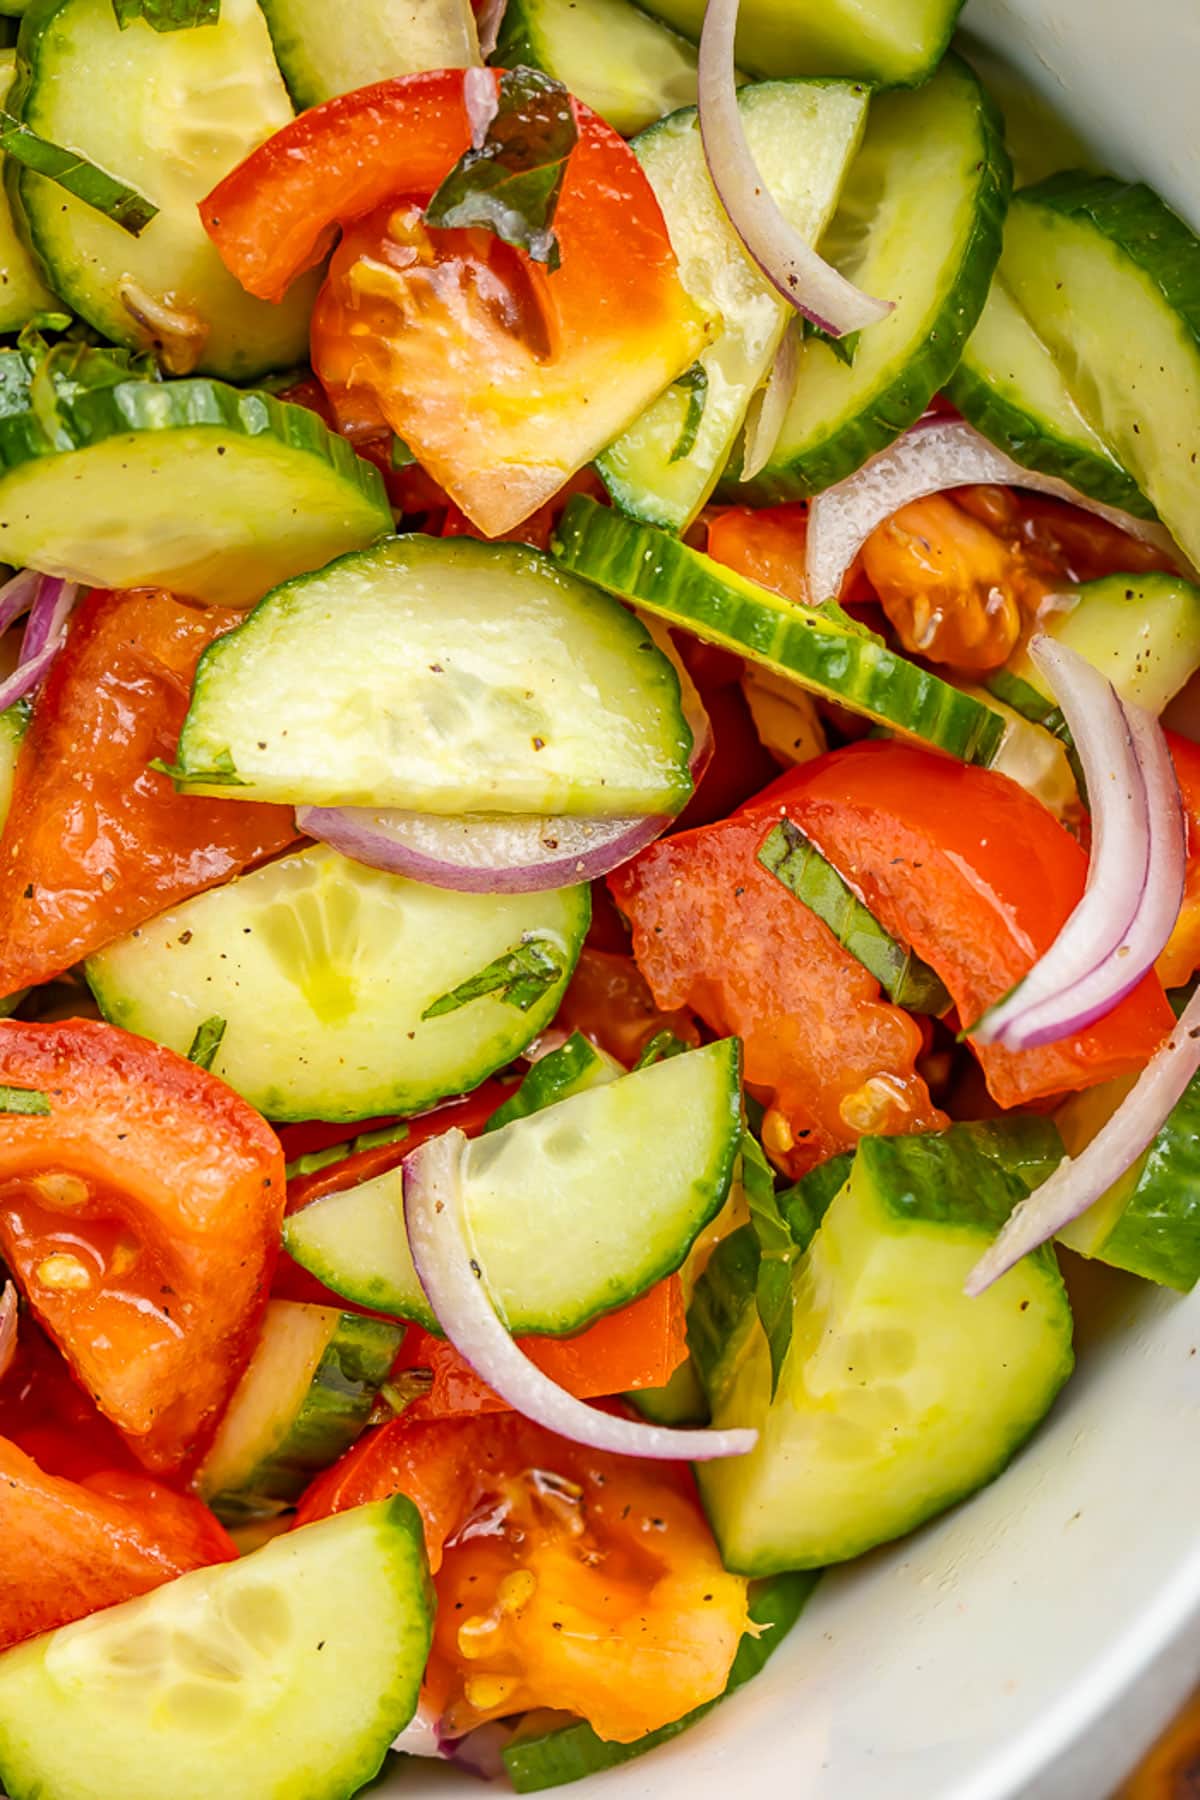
<point x="714" y="931"/>
<point x="141" y="1219"/>
<point x="70" y="1549"/>
<point x="978" y="877"/>
<point x="609" y="1000"/>
<point x="46" y="1413"/>
<point x="96" y="842"/>
<point x="565" y="1578"/>
<point x="1181" y="958"/>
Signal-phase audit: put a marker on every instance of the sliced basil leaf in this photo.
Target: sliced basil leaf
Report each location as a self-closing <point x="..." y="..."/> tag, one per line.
<point x="520" y="977"/>
<point x="315" y="1160"/>
<point x="222" y="773"/>
<point x="167" y="15"/>
<point x="67" y="169"/>
<point x="207" y="1042"/>
<point x="24" y="1100"/>
<point x="510" y="183"/>
<point x="694" y="383"/>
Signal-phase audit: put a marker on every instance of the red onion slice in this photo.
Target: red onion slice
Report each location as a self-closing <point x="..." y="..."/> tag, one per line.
<point x="481" y="854"/>
<point x="768" y="409"/>
<point x="930" y="459"/>
<point x="420" y="1736"/>
<point x="17" y="596"/>
<point x="1078" y="1182"/>
<point x="443" y="1253"/>
<point x="488" y="21"/>
<point x="8" y="1328"/>
<point x="45" y="635"/>
<point x="481" y="96"/>
<point x="805" y="280"/>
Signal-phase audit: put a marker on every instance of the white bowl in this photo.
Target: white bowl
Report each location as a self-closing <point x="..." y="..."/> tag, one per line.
<point x="1034" y="1641"/>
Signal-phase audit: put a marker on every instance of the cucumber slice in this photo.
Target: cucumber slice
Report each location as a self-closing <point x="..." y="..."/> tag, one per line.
<point x="898" y="1395"/>
<point x="1012" y="390"/>
<point x="611" y="55"/>
<point x="440" y="675"/>
<point x="1110" y="278"/>
<point x="323" y="969"/>
<point x="369" y="40"/>
<point x="631" y="1171"/>
<point x="889" y="42"/>
<point x="803" y="135"/>
<point x="22" y="291"/>
<point x="835" y="661"/>
<point x="1149" y="1220"/>
<point x="232" y="492"/>
<point x="920" y="222"/>
<point x="1141" y="631"/>
<point x="286" y="1674"/>
<point x="171" y="113"/>
<point x="573" y="1068"/>
<point x="305" y="1397"/>
<point x="572" y="1752"/>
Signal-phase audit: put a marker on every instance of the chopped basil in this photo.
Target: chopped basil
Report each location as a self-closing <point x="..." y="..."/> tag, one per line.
<point x="221" y="774"/>
<point x="662" y="1045"/>
<point x="67" y="169"/>
<point x="315" y="1160"/>
<point x="799" y="865"/>
<point x="167" y="15"/>
<point x="844" y="348"/>
<point x="24" y="1100"/>
<point x="773" y="1290"/>
<point x="520" y="977"/>
<point x="509" y="184"/>
<point x="694" y="383"/>
<point x="58" y="373"/>
<point x="207" y="1042"/>
<point x="401" y="456"/>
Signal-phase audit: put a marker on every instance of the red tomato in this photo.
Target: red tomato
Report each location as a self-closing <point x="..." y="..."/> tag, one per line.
<point x="609" y="1001"/>
<point x="1181" y="958"/>
<point x="501" y="377"/>
<point x="45" y="1413"/>
<point x="739" y="764"/>
<point x="96" y="842"/>
<point x="765" y="544"/>
<point x="639" y="1346"/>
<point x="70" y="1550"/>
<point x="978" y="877"/>
<point x="141" y="1217"/>
<point x="714" y="931"/>
<point x="565" y="1578"/>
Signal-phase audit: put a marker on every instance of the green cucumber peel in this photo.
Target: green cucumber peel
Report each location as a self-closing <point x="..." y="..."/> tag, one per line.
<point x="777" y="1254"/>
<point x="520" y="977"/>
<point x="207" y="1042"/>
<point x="221" y="774"/>
<point x="510" y="183"/>
<point x="796" y="862"/>
<point x="694" y="383"/>
<point x="74" y="173"/>
<point x="313" y="1161"/>
<point x="550" y="1079"/>
<point x="574" y="1752"/>
<point x="167" y="15"/>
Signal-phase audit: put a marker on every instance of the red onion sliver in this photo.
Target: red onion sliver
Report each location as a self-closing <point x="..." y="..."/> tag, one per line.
<point x="1078" y="1182"/>
<point x="17" y="596"/>
<point x="930" y="459"/>
<point x="8" y="1328"/>
<point x="45" y="635"/>
<point x="443" y="1253"/>
<point x="488" y="21"/>
<point x="1040" y="1008"/>
<point x="768" y="409"/>
<point x="805" y="280"/>
<point x="420" y="1736"/>
<point x="481" y="96"/>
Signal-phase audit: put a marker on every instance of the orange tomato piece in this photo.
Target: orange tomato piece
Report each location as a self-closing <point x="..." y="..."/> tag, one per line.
<point x="96" y="842"/>
<point x="1181" y="958"/>
<point x="610" y="1001"/>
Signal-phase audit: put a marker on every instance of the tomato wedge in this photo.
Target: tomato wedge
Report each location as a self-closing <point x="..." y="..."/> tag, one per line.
<point x="503" y="379"/>
<point x="45" y="1412"/>
<point x="714" y="931"/>
<point x="1181" y="958"/>
<point x="978" y="878"/>
<point x="70" y="1549"/>
<point x="565" y="1578"/>
<point x="97" y="842"/>
<point x="141" y="1217"/>
<point x="609" y="1000"/>
<point x="639" y="1346"/>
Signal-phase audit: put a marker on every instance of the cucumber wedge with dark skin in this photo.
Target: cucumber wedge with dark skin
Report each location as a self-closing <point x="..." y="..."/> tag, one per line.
<point x="893" y="43"/>
<point x="657" y="572"/>
<point x="920" y="223"/>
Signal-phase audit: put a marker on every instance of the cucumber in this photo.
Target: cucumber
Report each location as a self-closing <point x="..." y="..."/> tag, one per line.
<point x="897" y="1396"/>
<point x="1149" y="1220"/>
<point x="22" y="291"/>
<point x="630" y="1172"/>
<point x="1141" y="631"/>
<point x="803" y="135"/>
<point x="231" y="492"/>
<point x="369" y="40"/>
<point x="322" y="970"/>
<point x="1040" y="141"/>
<point x="14" y="723"/>
<point x="440" y="675"/>
<point x="1012" y="389"/>
<point x="615" y="58"/>
<point x="888" y="42"/>
<point x="288" y="1673"/>
<point x="573" y="1068"/>
<point x="306" y="1396"/>
<point x="545" y="1759"/>
<point x="1109" y="277"/>
<point x="832" y="659"/>
<point x="920" y="223"/>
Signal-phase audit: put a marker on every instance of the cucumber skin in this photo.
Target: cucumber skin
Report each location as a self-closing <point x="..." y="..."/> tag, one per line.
<point x="575" y="1751"/>
<point x="638" y="562"/>
<point x="769" y="68"/>
<point x="519" y="45"/>
<point x="890" y="413"/>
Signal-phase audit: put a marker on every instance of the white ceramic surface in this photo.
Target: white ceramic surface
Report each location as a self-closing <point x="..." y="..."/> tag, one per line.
<point x="1034" y="1641"/>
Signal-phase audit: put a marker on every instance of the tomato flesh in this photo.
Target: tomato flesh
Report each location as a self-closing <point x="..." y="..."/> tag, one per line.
<point x="97" y="842"/>
<point x="610" y="1001"/>
<point x="565" y="1578"/>
<point x="1181" y="958"/>
<point x="141" y="1218"/>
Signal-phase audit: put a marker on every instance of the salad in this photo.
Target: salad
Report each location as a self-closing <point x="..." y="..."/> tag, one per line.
<point x="600" y="871"/>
